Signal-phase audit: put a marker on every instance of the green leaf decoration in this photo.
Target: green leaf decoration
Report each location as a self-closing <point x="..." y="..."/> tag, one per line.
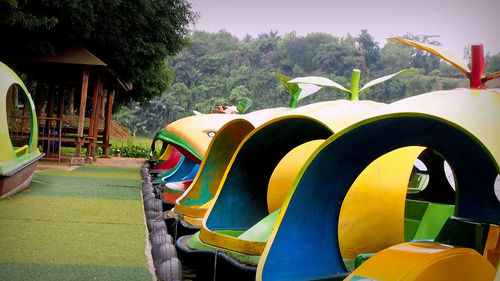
<point x="437" y="51"/>
<point x="382" y="79"/>
<point x="243" y="105"/>
<point x="320" y="81"/>
<point x="292" y="88"/>
<point x="307" y="90"/>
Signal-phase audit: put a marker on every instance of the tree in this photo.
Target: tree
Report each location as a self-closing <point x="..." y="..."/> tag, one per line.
<point x="220" y="69"/>
<point x="394" y="56"/>
<point x="133" y="37"/>
<point x="421" y="59"/>
<point x="492" y="63"/>
<point x="237" y="94"/>
<point x="369" y="49"/>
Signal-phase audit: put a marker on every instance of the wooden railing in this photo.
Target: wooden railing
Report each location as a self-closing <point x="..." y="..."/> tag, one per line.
<point x="49" y="135"/>
<point x="52" y="135"/>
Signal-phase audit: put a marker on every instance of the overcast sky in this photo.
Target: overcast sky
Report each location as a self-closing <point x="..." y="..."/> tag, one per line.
<point x="453" y="20"/>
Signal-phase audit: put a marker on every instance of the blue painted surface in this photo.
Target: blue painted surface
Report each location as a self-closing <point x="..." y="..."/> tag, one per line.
<point x="184" y="170"/>
<point x="242" y="201"/>
<point x="191" y="174"/>
<point x="219" y="154"/>
<point x="311" y="251"/>
<point x="172" y="171"/>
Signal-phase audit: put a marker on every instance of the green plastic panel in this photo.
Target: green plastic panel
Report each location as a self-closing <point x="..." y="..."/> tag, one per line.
<point x="260" y="231"/>
<point x="433" y="220"/>
<point x="414" y="211"/>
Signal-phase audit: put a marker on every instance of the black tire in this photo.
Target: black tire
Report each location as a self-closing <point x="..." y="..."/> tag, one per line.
<point x="160" y="231"/>
<point x="160" y="236"/>
<point x="153" y="205"/>
<point x="154" y="224"/>
<point x="169" y="270"/>
<point x="147" y="184"/>
<point x="148" y="190"/>
<point x="149" y="195"/>
<point x="157" y="190"/>
<point x="153" y="215"/>
<point x="162" y="252"/>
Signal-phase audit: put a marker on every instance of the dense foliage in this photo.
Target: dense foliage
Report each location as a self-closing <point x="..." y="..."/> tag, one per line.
<point x="133" y="37"/>
<point x="220" y="69"/>
<point x="130" y="150"/>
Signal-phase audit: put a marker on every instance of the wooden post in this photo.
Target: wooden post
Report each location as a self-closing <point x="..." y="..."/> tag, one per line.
<point x="25" y="115"/>
<point x="50" y="111"/>
<point x="60" y="115"/>
<point x="50" y="106"/>
<point x="39" y="98"/>
<point x="71" y="101"/>
<point x="81" y="117"/>
<point x="107" y="122"/>
<point x="26" y="104"/>
<point x="102" y="109"/>
<point x="93" y="117"/>
<point x="60" y="112"/>
<point x="15" y="97"/>
<point x="96" y="122"/>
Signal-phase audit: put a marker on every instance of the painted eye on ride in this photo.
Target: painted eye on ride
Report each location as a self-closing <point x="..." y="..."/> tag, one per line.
<point x="210" y="134"/>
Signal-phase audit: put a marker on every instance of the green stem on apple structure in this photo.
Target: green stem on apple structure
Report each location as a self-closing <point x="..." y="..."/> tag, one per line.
<point x="295" y="98"/>
<point x="356" y="73"/>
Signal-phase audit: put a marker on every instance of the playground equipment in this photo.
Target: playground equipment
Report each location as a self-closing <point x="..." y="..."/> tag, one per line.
<point x="237" y="225"/>
<point x="192" y="207"/>
<point x="165" y="258"/>
<point x="20" y="152"/>
<point x="460" y="125"/>
<point x="191" y="136"/>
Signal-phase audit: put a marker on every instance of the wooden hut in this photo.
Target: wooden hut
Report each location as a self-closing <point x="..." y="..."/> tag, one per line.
<point x="70" y="72"/>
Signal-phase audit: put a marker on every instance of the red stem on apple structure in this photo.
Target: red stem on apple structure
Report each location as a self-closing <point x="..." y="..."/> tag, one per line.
<point x="477" y="68"/>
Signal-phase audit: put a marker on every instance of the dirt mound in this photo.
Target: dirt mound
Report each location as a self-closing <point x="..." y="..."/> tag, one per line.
<point x="118" y="131"/>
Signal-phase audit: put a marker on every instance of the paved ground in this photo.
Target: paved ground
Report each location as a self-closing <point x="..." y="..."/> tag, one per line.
<point x="76" y="223"/>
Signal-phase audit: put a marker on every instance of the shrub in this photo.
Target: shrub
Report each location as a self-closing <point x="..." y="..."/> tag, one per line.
<point x="130" y="150"/>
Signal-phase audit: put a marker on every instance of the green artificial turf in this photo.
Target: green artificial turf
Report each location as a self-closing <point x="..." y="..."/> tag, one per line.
<point x="107" y="169"/>
<point x="88" y="182"/>
<point x="85" y="224"/>
<point x="69" y="179"/>
<point x="43" y="208"/>
<point x="61" y="186"/>
<point x="107" y="173"/>
<point x="61" y="242"/>
<point x="71" y="272"/>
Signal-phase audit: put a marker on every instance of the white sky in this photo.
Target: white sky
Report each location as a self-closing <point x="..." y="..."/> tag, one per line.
<point x="453" y="20"/>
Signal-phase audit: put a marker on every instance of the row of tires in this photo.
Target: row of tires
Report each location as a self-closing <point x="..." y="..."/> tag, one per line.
<point x="167" y="265"/>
